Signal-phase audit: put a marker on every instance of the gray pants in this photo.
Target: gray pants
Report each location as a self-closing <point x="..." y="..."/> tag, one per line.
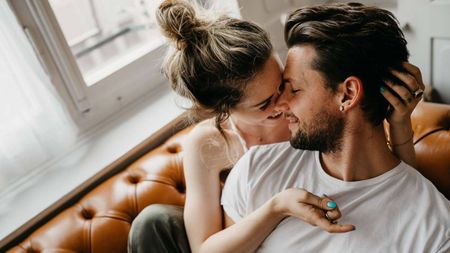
<point x="158" y="229"/>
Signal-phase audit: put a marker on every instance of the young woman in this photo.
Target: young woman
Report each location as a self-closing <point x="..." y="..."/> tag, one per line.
<point x="228" y="69"/>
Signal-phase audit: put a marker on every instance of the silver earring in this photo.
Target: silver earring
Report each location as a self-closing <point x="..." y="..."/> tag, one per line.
<point x="341" y="108"/>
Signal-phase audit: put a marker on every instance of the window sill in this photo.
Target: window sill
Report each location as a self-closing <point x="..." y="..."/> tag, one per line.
<point x="105" y="144"/>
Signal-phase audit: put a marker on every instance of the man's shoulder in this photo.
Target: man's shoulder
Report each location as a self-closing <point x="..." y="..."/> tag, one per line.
<point x="422" y="183"/>
<point x="430" y="207"/>
<point x="423" y="191"/>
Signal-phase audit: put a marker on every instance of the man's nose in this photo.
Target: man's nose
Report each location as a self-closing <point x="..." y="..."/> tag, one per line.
<point x="282" y="103"/>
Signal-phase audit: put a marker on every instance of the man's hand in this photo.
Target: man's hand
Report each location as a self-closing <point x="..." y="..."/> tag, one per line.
<point x="317" y="211"/>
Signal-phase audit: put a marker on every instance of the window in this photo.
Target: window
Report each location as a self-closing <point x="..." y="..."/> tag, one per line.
<point x="111" y="34"/>
<point x="99" y="56"/>
<point x="95" y="50"/>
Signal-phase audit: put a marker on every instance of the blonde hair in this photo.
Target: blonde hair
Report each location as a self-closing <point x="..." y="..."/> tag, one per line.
<point x="212" y="59"/>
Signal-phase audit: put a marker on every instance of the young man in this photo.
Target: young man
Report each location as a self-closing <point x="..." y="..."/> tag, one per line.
<point x="339" y="57"/>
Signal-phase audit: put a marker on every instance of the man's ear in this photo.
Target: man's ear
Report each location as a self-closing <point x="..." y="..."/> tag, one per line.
<point x="351" y="93"/>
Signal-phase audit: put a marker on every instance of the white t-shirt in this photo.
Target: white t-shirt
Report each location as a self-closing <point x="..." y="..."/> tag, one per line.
<point x="398" y="211"/>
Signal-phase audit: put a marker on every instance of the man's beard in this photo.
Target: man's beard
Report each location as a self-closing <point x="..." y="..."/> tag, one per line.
<point x="324" y="133"/>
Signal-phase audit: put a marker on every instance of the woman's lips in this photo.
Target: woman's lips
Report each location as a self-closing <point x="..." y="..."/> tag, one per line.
<point x="275" y="116"/>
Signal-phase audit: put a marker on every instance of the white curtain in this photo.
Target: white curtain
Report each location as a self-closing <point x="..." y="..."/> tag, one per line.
<point x="34" y="126"/>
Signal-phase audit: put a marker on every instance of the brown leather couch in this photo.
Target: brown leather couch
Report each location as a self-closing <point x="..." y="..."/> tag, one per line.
<point x="99" y="222"/>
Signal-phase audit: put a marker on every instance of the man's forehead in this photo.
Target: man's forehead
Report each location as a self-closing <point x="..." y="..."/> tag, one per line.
<point x="300" y="59"/>
<point x="293" y="71"/>
<point x="303" y="53"/>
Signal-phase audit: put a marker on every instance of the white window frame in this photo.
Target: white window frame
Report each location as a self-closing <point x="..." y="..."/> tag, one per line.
<point x="88" y="106"/>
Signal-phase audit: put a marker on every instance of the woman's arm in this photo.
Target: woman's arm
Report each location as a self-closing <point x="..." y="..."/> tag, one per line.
<point x="247" y="234"/>
<point x="203" y="158"/>
<point x="400" y="128"/>
<point x="205" y="155"/>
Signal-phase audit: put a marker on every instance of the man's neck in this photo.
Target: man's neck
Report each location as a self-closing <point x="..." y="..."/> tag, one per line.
<point x="364" y="154"/>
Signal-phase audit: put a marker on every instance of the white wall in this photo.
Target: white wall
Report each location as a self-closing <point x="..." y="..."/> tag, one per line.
<point x="271" y="13"/>
<point x="431" y="57"/>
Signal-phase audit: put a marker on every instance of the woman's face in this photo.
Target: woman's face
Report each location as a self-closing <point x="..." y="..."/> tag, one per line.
<point x="257" y="106"/>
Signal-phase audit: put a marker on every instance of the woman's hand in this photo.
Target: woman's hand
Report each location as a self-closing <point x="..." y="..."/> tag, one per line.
<point x="400" y="133"/>
<point x="410" y="94"/>
<point x="317" y="211"/>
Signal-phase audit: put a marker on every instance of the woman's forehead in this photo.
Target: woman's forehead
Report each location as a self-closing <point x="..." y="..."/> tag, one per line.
<point x="265" y="84"/>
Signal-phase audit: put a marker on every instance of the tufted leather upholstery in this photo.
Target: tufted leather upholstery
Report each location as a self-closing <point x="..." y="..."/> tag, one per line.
<point x="431" y="126"/>
<point x="100" y="221"/>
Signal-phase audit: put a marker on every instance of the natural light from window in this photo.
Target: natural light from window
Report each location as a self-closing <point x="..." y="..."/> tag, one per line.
<point x="110" y="35"/>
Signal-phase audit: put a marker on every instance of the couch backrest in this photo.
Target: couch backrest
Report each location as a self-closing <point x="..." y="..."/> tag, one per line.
<point x="431" y="126"/>
<point x="100" y="221"/>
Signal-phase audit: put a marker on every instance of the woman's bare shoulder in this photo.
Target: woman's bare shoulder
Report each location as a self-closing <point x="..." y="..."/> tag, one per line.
<point x="204" y="131"/>
<point x="207" y="147"/>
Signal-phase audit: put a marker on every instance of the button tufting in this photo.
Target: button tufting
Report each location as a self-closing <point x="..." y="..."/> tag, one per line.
<point x="87" y="214"/>
<point x="134" y="179"/>
<point x="174" y="148"/>
<point x="180" y="187"/>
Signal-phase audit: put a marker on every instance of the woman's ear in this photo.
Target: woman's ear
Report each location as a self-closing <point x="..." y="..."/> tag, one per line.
<point x="352" y="92"/>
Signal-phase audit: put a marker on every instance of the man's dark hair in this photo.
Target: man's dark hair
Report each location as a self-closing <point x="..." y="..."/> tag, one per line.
<point x="352" y="40"/>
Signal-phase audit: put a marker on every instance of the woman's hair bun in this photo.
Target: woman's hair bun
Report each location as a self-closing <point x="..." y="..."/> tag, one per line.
<point x="178" y="21"/>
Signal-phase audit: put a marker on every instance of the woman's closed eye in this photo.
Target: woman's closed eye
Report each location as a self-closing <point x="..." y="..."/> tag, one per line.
<point x="293" y="91"/>
<point x="265" y="105"/>
<point x="281" y="88"/>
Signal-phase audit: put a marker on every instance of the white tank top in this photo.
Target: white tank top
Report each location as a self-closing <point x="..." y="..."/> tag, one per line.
<point x="236" y="131"/>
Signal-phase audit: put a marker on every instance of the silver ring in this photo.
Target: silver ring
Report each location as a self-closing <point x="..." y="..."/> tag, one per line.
<point x="331" y="220"/>
<point x="410" y="98"/>
<point x="418" y="93"/>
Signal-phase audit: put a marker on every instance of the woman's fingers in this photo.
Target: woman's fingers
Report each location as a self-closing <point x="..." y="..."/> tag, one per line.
<point x="405" y="96"/>
<point x="393" y="100"/>
<point x="415" y="71"/>
<point x="334" y="214"/>
<point x="317" y="217"/>
<point x="408" y="79"/>
<point x="317" y="211"/>
<point x="329" y="209"/>
<point x="401" y="91"/>
<point x="412" y="78"/>
<point x="323" y="203"/>
<point x="330" y="227"/>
